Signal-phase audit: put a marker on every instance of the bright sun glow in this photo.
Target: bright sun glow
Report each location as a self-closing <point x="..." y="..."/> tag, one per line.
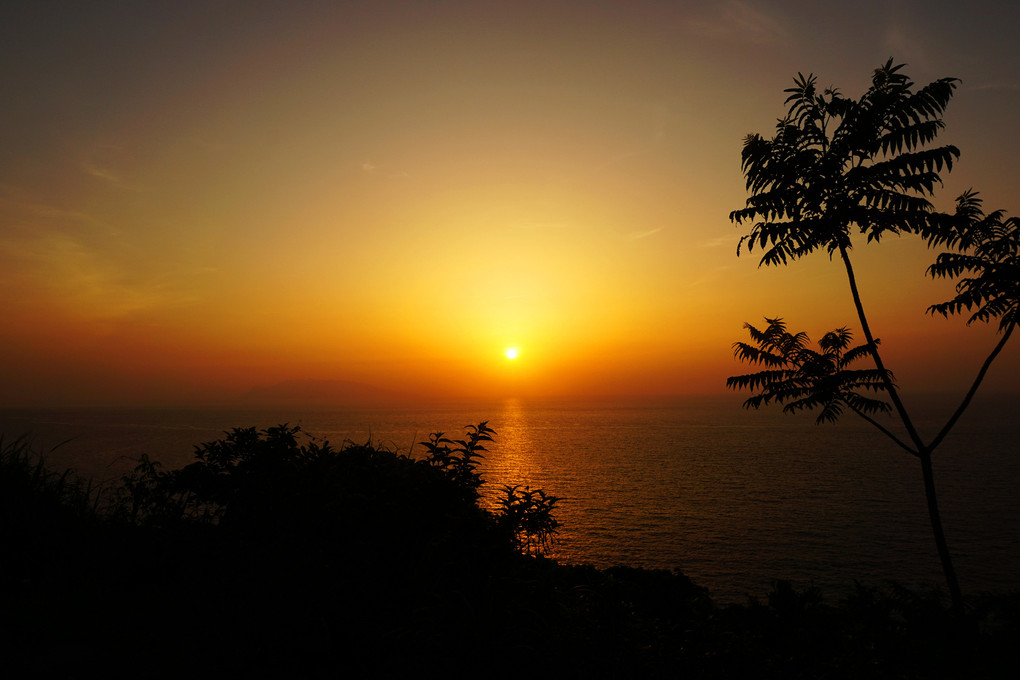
<point x="511" y="352"/>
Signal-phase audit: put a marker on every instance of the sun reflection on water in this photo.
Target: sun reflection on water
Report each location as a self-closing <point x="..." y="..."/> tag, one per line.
<point x="511" y="459"/>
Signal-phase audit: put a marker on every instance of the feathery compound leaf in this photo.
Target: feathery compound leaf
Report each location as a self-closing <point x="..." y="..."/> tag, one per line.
<point x="801" y="378"/>
<point x="987" y="256"/>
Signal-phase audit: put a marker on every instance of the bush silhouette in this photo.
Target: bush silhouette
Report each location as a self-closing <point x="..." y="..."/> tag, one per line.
<point x="188" y="574"/>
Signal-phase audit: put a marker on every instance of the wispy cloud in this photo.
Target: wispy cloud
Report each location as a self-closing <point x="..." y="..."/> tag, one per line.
<point x="616" y="160"/>
<point x="740" y="20"/>
<point x="710" y="277"/>
<point x="59" y="268"/>
<point x="101" y="173"/>
<point x="100" y="164"/>
<point x="1008" y="87"/>
<point x="634" y="236"/>
<point x="20" y="211"/>
<point x="720" y="241"/>
<point x="537" y="224"/>
<point x="906" y="46"/>
<point x="370" y="168"/>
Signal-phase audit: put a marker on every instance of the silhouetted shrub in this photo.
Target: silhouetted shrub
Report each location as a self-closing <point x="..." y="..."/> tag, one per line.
<point x="274" y="555"/>
<point x="527" y="516"/>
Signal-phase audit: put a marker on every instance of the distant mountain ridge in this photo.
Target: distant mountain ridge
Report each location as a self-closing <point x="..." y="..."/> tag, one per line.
<point x="320" y="392"/>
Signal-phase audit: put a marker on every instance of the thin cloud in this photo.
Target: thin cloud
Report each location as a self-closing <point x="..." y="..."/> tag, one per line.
<point x="54" y="267"/>
<point x="96" y="171"/>
<point x="1008" y="87"/>
<point x="616" y="160"/>
<point x="634" y="236"/>
<point x="907" y="47"/>
<point x="370" y="168"/>
<point x="16" y="211"/>
<point x="712" y="276"/>
<point x="105" y="174"/>
<point x="741" y="21"/>
<point x="719" y="241"/>
<point x="536" y="224"/>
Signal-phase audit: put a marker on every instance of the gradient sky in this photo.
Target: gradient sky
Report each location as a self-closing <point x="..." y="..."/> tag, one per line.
<point x="201" y="197"/>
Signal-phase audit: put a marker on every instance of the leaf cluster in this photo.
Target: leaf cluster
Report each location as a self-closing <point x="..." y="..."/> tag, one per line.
<point x="528" y="516"/>
<point x="459" y="458"/>
<point x="836" y="162"/>
<point x="987" y="255"/>
<point x="243" y="475"/>
<point x="802" y="378"/>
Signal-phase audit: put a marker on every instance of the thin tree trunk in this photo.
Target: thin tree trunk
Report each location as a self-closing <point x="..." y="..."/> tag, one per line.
<point x="901" y="410"/>
<point x="923" y="452"/>
<point x="940" y="537"/>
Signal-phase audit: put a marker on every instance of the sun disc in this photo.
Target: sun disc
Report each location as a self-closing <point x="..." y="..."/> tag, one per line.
<point x="511" y="352"/>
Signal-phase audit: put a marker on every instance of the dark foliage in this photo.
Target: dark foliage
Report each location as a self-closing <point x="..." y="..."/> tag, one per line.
<point x="459" y="458"/>
<point x="988" y="253"/>
<point x="801" y="378"/>
<point x="429" y="586"/>
<point x="527" y="517"/>
<point x="837" y="162"/>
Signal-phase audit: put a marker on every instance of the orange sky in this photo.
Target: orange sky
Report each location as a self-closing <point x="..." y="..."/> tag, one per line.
<point x="203" y="198"/>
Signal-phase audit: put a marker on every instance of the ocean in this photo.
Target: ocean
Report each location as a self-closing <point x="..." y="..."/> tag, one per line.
<point x="733" y="498"/>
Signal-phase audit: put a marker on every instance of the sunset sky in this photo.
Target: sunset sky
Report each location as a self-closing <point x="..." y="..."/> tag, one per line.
<point x="197" y="198"/>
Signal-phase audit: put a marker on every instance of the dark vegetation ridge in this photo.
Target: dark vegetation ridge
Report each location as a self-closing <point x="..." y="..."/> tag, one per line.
<point x="277" y="555"/>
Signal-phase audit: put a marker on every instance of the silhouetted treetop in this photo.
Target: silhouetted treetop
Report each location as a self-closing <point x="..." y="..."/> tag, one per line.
<point x="836" y="162"/>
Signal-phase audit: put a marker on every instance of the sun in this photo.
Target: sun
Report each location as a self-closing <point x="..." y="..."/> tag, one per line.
<point x="511" y="352"/>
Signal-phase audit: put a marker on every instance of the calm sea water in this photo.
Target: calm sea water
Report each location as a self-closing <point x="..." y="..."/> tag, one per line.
<point x="733" y="498"/>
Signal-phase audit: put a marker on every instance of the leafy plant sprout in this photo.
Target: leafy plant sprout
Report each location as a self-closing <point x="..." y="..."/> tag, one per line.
<point x="837" y="166"/>
<point x="527" y="515"/>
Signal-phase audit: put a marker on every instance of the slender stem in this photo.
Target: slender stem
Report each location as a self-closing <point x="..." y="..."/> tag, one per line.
<point x="889" y="385"/>
<point x="973" y="388"/>
<point x="885" y="431"/>
<point x="923" y="452"/>
<point x="940" y="537"/>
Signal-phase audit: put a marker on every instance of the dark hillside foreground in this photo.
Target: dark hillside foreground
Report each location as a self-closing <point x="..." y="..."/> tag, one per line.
<point x="274" y="555"/>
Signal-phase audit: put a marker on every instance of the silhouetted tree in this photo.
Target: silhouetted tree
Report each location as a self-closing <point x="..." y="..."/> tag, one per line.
<point x="837" y="165"/>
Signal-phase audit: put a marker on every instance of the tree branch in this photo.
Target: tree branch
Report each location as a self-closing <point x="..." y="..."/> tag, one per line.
<point x="885" y="431"/>
<point x="973" y="388"/>
<point x="889" y="385"/>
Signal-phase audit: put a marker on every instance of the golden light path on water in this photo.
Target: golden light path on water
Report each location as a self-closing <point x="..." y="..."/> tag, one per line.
<point x="515" y="447"/>
<point x="734" y="498"/>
